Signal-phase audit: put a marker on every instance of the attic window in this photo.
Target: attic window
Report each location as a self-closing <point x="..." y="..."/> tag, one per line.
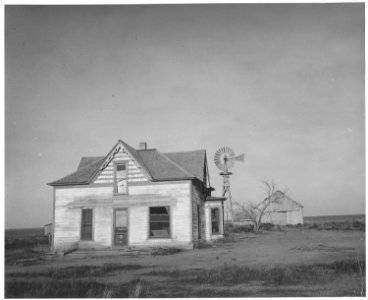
<point x="121" y="186"/>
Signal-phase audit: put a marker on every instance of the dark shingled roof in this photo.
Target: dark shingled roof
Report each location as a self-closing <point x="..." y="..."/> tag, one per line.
<point x="87" y="160"/>
<point x="158" y="166"/>
<point x="161" y="167"/>
<point x="192" y="161"/>
<point x="83" y="175"/>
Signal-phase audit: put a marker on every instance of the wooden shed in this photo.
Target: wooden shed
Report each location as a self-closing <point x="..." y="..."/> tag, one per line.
<point x="284" y="211"/>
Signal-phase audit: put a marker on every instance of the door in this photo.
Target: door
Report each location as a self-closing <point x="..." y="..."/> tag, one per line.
<point x="215" y="220"/>
<point x="120" y="227"/>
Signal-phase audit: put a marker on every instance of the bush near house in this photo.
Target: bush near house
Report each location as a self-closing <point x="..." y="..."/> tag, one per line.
<point x="234" y="228"/>
<point x="164" y="251"/>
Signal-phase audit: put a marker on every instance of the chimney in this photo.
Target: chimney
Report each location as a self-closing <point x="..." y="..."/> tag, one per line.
<point x="142" y="146"/>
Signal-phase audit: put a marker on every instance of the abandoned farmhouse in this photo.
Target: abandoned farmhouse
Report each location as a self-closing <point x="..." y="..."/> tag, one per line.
<point x="136" y="197"/>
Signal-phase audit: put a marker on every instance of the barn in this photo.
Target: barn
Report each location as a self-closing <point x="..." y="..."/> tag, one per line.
<point x="283" y="211"/>
<point x="136" y="197"/>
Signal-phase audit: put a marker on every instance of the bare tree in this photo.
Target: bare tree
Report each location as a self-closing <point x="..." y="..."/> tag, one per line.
<point x="256" y="212"/>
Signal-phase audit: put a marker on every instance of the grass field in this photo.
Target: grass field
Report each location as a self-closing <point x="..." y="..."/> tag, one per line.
<point x="282" y="262"/>
<point x="346" y="219"/>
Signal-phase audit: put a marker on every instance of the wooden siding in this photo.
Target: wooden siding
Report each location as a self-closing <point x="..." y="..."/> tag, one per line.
<point x="286" y="211"/>
<point x="292" y="217"/>
<point x="134" y="172"/>
<point x="198" y="199"/>
<point x="177" y="196"/>
<point x="69" y="203"/>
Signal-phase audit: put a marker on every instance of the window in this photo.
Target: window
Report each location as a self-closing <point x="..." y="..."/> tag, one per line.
<point x="159" y="222"/>
<point x="121" y="178"/>
<point x="86" y="231"/>
<point x="215" y="220"/>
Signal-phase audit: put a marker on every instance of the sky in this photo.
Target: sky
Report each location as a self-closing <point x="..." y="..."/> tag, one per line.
<point x="281" y="83"/>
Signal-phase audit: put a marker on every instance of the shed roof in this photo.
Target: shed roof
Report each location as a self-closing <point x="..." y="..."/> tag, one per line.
<point x="282" y="197"/>
<point x="159" y="166"/>
<point x="212" y="198"/>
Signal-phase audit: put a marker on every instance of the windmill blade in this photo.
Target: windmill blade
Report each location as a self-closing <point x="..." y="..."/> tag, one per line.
<point x="223" y="159"/>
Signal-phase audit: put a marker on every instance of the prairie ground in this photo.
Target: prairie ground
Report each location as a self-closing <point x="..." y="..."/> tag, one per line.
<point x="289" y="262"/>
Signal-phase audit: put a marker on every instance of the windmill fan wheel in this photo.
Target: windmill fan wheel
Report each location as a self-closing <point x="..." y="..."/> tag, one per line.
<point x="224" y="158"/>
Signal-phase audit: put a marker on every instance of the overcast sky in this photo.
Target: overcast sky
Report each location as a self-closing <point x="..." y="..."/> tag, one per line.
<point x="282" y="83"/>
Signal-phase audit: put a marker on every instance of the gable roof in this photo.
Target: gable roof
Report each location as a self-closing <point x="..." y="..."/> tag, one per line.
<point x="157" y="166"/>
<point x="84" y="174"/>
<point x="193" y="161"/>
<point x="87" y="160"/>
<point x="281" y="196"/>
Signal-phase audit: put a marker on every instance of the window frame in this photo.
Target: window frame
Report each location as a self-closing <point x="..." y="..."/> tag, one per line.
<point x="92" y="227"/>
<point x="218" y="221"/>
<point x="149" y="223"/>
<point x="116" y="164"/>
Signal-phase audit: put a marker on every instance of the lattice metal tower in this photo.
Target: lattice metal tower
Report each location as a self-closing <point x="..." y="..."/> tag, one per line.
<point x="224" y="161"/>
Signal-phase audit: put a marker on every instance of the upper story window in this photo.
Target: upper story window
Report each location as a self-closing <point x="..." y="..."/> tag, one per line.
<point x="121" y="179"/>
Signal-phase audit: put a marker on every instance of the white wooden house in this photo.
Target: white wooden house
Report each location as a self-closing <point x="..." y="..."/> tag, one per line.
<point x="283" y="211"/>
<point x="136" y="197"/>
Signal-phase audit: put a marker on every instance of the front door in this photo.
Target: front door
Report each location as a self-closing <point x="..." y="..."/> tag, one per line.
<point x="120" y="227"/>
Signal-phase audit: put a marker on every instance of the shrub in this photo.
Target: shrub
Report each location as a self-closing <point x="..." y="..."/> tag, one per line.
<point x="202" y="244"/>
<point x="17" y="243"/>
<point x="236" y="228"/>
<point x="358" y="225"/>
<point x="164" y="251"/>
<point x="267" y="226"/>
<point x="355" y="225"/>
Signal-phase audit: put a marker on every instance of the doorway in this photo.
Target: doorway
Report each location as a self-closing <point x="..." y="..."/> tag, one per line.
<point x="215" y="220"/>
<point x="121" y="227"/>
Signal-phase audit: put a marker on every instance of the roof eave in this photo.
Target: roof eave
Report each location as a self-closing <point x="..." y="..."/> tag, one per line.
<point x="63" y="184"/>
<point x="215" y="199"/>
<point x="174" y="179"/>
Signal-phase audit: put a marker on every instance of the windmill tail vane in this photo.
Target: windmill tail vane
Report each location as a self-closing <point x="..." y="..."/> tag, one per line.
<point x="238" y="157"/>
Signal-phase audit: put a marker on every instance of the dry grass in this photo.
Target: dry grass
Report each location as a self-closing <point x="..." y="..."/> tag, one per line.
<point x="77" y="271"/>
<point x="217" y="282"/>
<point x="312" y="263"/>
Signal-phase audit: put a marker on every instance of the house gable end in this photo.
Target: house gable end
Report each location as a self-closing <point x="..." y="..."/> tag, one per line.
<point x="122" y="153"/>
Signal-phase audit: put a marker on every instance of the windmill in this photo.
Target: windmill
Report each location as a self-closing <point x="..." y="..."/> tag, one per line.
<point x="224" y="161"/>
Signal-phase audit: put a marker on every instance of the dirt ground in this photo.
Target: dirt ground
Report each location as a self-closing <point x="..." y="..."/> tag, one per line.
<point x="271" y="249"/>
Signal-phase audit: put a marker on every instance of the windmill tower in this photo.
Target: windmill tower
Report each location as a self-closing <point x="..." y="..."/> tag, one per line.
<point x="224" y="161"/>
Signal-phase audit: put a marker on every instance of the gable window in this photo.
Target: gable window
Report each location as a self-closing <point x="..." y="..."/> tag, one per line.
<point x="215" y="220"/>
<point x="121" y="186"/>
<point x="87" y="222"/>
<point x="159" y="222"/>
